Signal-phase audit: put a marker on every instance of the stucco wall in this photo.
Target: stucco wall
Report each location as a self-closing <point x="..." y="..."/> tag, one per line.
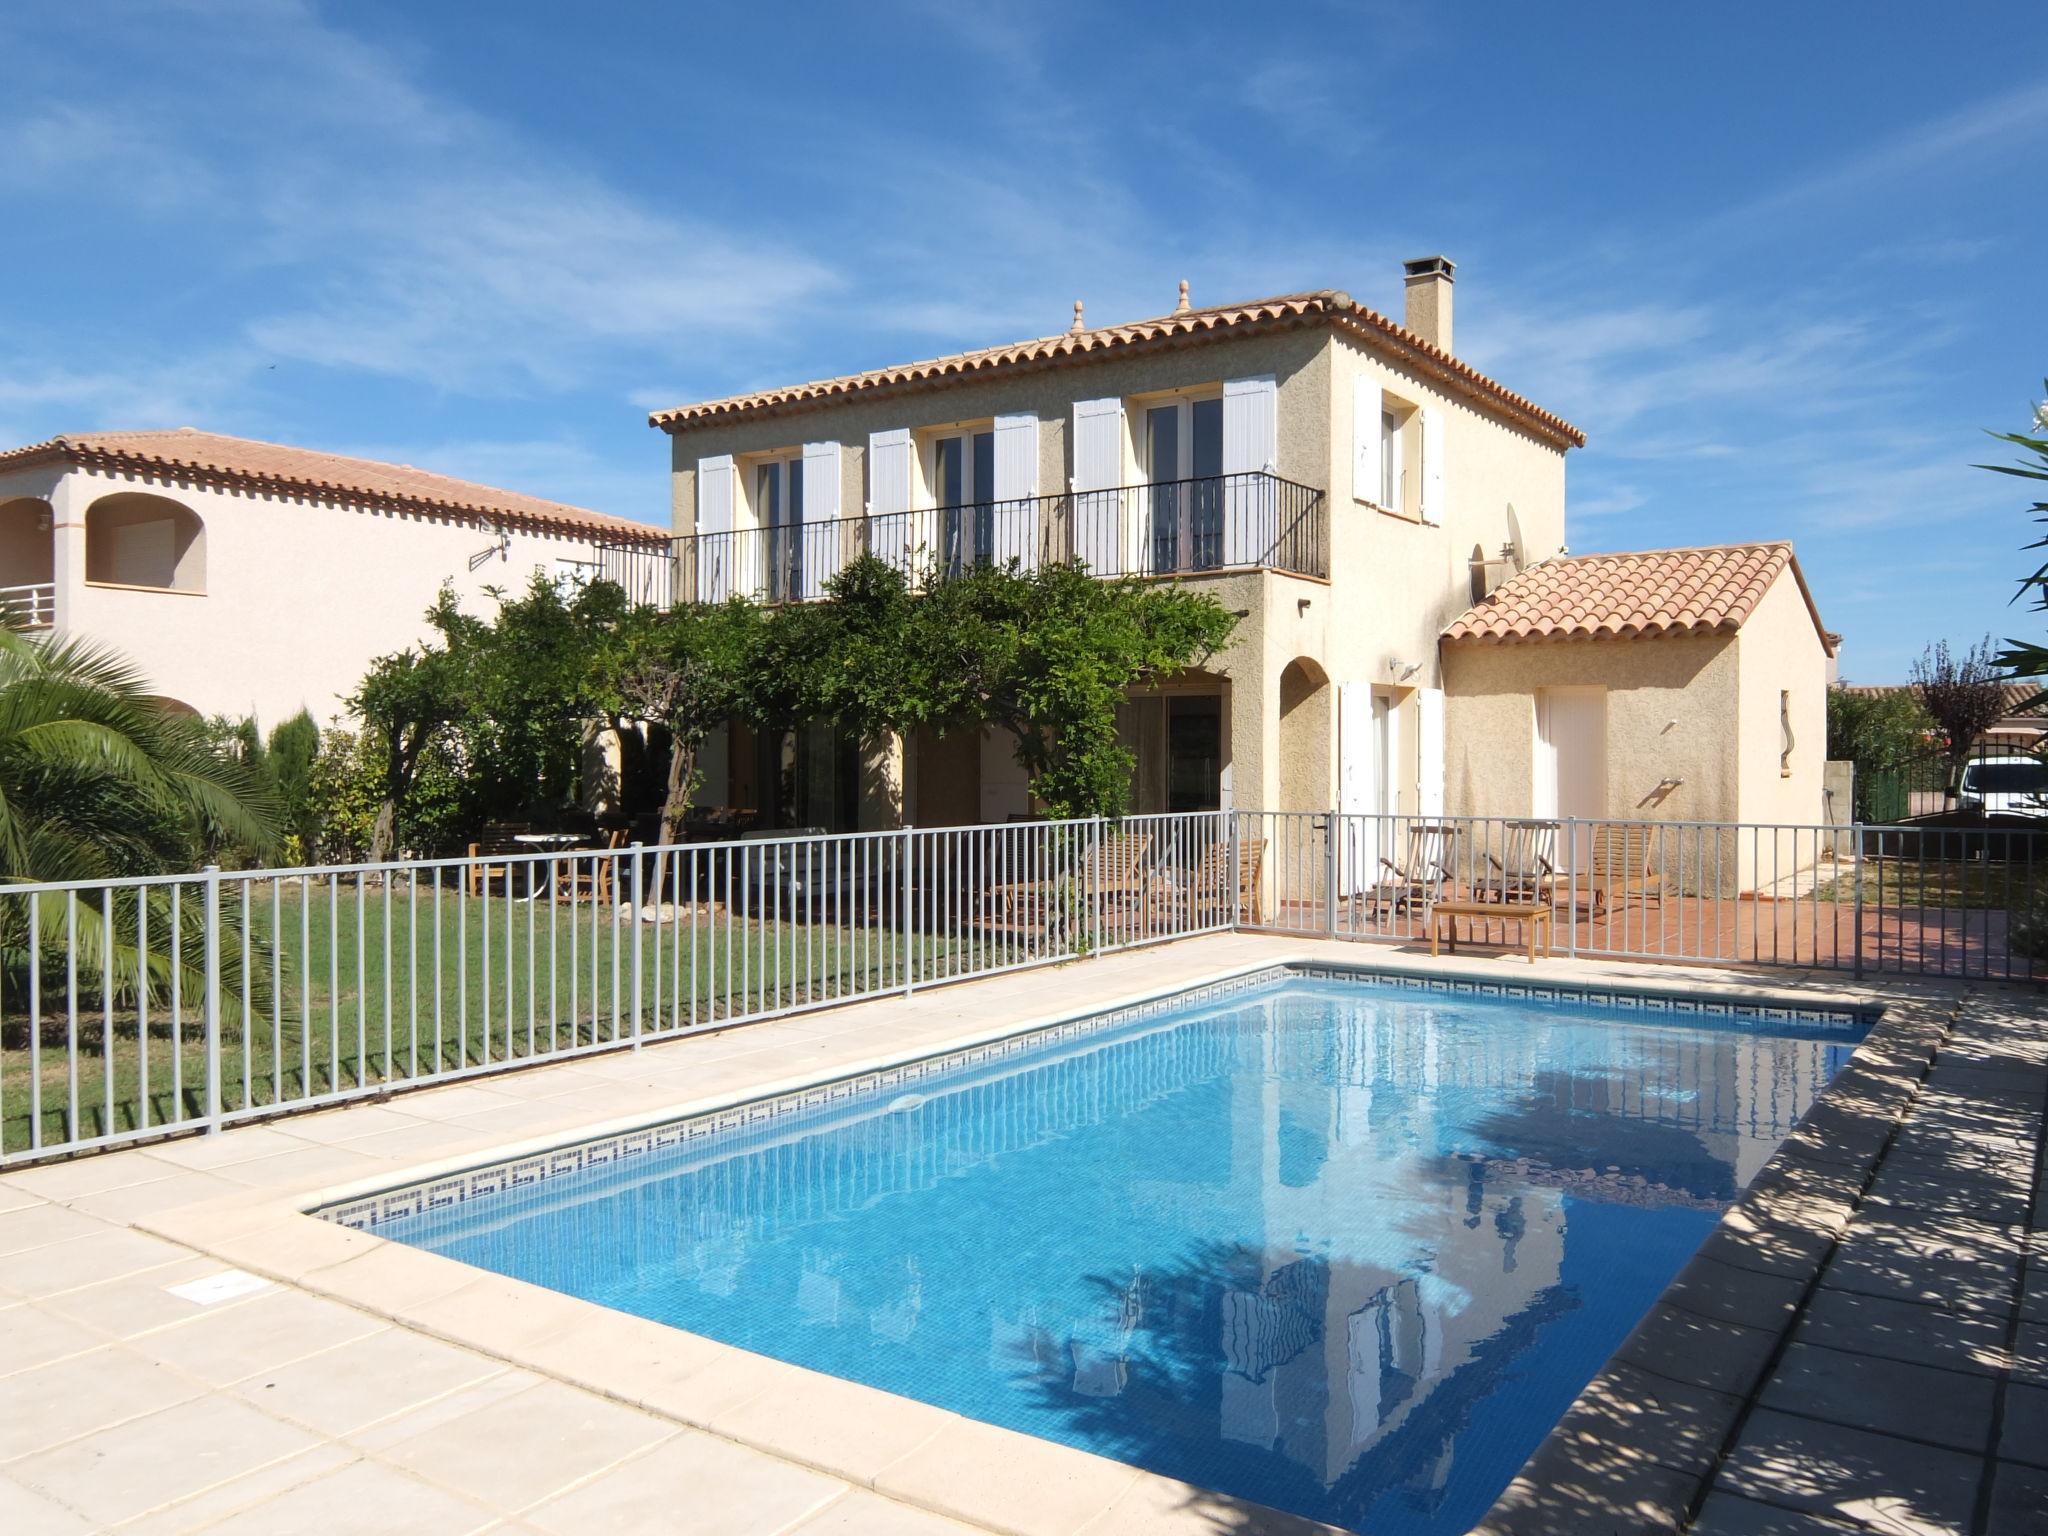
<point x="1780" y="649"/>
<point x="1294" y="358"/>
<point x="1400" y="581"/>
<point x="299" y="596"/>
<point x="1394" y="581"/>
<point x="1671" y="714"/>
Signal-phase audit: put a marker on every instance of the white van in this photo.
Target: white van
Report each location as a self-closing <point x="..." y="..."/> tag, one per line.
<point x="2005" y="786"/>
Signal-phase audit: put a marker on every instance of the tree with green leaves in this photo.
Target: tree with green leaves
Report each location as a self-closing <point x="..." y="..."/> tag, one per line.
<point x="1048" y="655"/>
<point x="688" y="669"/>
<point x="292" y="750"/>
<point x="1965" y="694"/>
<point x="2027" y="658"/>
<point x="99" y="781"/>
<point x="406" y="704"/>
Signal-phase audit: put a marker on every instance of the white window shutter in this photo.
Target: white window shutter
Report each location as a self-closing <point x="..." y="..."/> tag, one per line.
<point x="1355" y="788"/>
<point x="1015" y="516"/>
<point x="891" y="529"/>
<point x="1365" y="438"/>
<point x="1098" y="482"/>
<point x="1432" y="465"/>
<point x="1429" y="719"/>
<point x="1250" y="445"/>
<point x="717" y="480"/>
<point x="817" y="550"/>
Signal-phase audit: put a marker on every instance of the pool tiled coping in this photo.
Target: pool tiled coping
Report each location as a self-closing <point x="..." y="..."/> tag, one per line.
<point x="1594" y="1466"/>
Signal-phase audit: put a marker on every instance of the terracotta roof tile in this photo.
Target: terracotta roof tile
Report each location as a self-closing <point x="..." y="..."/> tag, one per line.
<point x="241" y="463"/>
<point x="1706" y="591"/>
<point x="1286" y="311"/>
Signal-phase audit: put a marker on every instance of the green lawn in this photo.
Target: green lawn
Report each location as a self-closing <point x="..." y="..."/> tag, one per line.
<point x="1954" y="884"/>
<point x="467" y="981"/>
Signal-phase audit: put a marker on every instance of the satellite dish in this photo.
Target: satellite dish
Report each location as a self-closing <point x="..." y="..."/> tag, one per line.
<point x="1515" y="551"/>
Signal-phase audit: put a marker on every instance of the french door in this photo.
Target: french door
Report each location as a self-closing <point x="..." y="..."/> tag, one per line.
<point x="964" y="488"/>
<point x="1184" y="468"/>
<point x="779" y="506"/>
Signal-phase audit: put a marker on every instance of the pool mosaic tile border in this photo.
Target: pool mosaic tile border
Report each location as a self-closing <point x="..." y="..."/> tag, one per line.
<point x="451" y="1189"/>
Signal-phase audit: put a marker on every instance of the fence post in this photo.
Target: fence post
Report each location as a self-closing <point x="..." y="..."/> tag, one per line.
<point x="1232" y="852"/>
<point x="903" y="908"/>
<point x="639" y="922"/>
<point x="1856" y="876"/>
<point x="212" y="1001"/>
<point x="1331" y="839"/>
<point x="1571" y="890"/>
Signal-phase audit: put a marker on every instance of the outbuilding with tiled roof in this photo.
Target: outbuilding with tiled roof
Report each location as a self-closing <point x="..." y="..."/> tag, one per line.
<point x="1670" y="684"/>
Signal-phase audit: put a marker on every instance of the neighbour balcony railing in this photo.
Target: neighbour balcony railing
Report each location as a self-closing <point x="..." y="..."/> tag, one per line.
<point x="1161" y="528"/>
<point x="32" y="606"/>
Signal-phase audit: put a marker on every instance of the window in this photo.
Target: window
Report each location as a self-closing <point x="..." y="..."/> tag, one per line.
<point x="1393" y="472"/>
<point x="779" y="514"/>
<point x="1785" y="736"/>
<point x="963" y="484"/>
<point x="1182" y="450"/>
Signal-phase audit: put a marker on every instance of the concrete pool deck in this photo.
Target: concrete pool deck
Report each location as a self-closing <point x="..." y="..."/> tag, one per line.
<point x="1862" y="1345"/>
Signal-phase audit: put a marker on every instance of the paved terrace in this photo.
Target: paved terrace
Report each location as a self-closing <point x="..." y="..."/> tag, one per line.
<point x="1863" y="1346"/>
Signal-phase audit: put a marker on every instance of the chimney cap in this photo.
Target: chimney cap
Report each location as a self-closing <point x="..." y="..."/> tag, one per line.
<point x="1431" y="266"/>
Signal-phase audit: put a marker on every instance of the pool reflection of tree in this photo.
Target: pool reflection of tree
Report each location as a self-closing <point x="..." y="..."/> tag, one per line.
<point x="1224" y="1315"/>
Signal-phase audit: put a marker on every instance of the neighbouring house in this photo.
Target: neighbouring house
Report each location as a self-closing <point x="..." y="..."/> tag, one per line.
<point x="1679" y="684"/>
<point x="252" y="578"/>
<point x="1338" y="478"/>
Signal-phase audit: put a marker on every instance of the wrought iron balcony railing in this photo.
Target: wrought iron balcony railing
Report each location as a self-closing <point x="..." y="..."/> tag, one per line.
<point x="1163" y="528"/>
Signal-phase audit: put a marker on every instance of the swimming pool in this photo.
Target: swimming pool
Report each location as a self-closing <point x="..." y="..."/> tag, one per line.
<point x="1347" y="1248"/>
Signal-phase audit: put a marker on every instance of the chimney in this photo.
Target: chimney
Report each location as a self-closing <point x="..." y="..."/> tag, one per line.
<point x="1429" y="298"/>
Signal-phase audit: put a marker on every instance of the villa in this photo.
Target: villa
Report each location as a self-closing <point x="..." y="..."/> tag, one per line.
<point x="252" y="578"/>
<point x="1387" y="522"/>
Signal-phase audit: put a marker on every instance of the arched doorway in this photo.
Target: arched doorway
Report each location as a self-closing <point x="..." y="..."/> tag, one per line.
<point x="1305" y="737"/>
<point x="28" y="592"/>
<point x="135" y="539"/>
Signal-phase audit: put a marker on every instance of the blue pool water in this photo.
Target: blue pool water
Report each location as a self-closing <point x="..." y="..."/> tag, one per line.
<point x="1342" y="1248"/>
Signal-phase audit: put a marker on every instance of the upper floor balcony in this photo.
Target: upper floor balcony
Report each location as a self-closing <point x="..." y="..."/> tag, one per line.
<point x="1202" y="526"/>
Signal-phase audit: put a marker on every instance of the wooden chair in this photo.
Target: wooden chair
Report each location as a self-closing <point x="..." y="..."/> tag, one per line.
<point x="592" y="877"/>
<point x="497" y="838"/>
<point x="1623" y="865"/>
<point x="1212" y="898"/>
<point x="1423" y="870"/>
<point x="1517" y="886"/>
<point x="1119" y="866"/>
<point x="1525" y="870"/>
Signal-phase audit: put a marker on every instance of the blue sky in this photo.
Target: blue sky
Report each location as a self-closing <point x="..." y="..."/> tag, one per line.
<point x="1784" y="268"/>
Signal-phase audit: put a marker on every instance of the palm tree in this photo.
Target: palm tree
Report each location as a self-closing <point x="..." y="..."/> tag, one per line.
<point x="98" y="781"/>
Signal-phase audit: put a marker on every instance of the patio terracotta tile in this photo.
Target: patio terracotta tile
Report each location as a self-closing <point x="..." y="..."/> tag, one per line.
<point x="24" y="1510"/>
<point x="39" y="1224"/>
<point x="364" y="1498"/>
<point x="32" y="1335"/>
<point x="135" y="1467"/>
<point x="77" y="1396"/>
<point x="1891" y="1397"/>
<point x="529" y="1446"/>
<point x="1903" y="1330"/>
<point x="861" y="1513"/>
<point x="1006" y="1481"/>
<point x="663" y="1491"/>
<point x="204" y="1510"/>
<point x="1876" y="1480"/>
<point x="224" y="1344"/>
<point x="366" y="1381"/>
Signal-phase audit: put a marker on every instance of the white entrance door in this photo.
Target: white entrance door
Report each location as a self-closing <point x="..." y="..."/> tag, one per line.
<point x="1571" y="756"/>
<point x="1365" y="780"/>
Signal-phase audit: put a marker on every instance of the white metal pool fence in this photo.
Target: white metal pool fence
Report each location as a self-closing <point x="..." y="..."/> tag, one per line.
<point x="143" y="1007"/>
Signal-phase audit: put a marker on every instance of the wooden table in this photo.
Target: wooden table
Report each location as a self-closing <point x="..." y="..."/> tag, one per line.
<point x="1533" y="915"/>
